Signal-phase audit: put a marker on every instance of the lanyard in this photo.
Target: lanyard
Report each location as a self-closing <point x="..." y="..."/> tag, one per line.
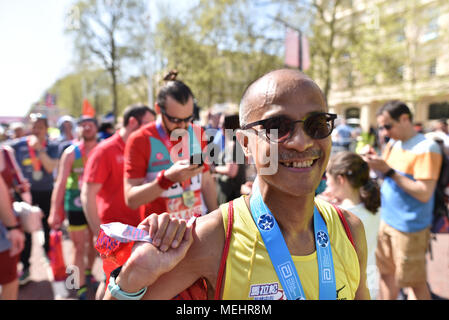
<point x="34" y="160"/>
<point x="164" y="137"/>
<point x="168" y="144"/>
<point x="280" y="255"/>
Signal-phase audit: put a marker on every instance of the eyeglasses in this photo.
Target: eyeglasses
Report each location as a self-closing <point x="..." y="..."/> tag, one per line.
<point x="385" y="126"/>
<point x="281" y="128"/>
<point x="177" y="120"/>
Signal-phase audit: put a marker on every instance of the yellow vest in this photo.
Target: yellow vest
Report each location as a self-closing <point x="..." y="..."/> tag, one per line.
<point x="250" y="273"/>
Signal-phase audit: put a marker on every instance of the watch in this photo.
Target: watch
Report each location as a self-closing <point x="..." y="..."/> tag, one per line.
<point x="13" y="227"/>
<point x="118" y="293"/>
<point x="390" y="172"/>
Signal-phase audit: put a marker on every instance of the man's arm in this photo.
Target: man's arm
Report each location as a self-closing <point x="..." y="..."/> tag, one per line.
<point x="168" y="273"/>
<point x="57" y="198"/>
<point x="89" y="193"/>
<point x="359" y="237"/>
<point x="48" y="163"/>
<point x="421" y="190"/>
<point x="8" y="219"/>
<point x="209" y="191"/>
<point x="138" y="193"/>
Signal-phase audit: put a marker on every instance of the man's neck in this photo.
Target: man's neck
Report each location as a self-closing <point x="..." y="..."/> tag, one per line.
<point x="124" y="133"/>
<point x="42" y="139"/>
<point x="294" y="216"/>
<point x="408" y="134"/>
<point x="89" y="145"/>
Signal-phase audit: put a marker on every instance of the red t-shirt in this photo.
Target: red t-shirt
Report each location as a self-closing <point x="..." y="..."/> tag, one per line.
<point x="137" y="159"/>
<point x="105" y="166"/>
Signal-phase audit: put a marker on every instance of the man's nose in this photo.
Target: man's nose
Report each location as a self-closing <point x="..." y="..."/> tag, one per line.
<point x="299" y="140"/>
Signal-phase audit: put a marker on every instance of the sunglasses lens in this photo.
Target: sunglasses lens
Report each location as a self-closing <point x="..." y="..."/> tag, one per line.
<point x="319" y="126"/>
<point x="278" y="128"/>
<point x="386" y="127"/>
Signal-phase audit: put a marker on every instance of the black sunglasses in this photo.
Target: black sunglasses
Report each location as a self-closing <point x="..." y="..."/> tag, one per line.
<point x="176" y="120"/>
<point x="281" y="128"/>
<point x="385" y="126"/>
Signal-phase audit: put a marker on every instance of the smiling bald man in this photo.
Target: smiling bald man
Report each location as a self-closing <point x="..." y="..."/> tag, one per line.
<point x="280" y="242"/>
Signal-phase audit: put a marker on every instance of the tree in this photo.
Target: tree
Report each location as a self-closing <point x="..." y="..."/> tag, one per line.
<point x="111" y="34"/>
<point x="217" y="48"/>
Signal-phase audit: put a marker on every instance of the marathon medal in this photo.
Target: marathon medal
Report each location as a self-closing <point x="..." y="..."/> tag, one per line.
<point x="188" y="197"/>
<point x="37" y="175"/>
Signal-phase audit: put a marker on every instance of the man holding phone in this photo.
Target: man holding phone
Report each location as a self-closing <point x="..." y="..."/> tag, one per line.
<point x="159" y="174"/>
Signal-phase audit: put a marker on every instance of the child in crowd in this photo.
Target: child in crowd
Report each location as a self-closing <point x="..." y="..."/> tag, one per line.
<point x="349" y="185"/>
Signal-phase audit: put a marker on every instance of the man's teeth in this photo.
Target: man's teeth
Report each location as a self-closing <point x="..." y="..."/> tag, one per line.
<point x="299" y="164"/>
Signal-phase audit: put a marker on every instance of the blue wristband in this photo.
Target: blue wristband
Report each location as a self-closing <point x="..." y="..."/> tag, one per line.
<point x="117" y="293"/>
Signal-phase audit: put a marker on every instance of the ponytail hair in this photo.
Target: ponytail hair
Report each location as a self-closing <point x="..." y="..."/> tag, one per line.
<point x="356" y="171"/>
<point x="174" y="88"/>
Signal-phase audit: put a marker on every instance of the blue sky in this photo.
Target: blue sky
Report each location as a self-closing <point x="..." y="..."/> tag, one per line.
<point x="34" y="52"/>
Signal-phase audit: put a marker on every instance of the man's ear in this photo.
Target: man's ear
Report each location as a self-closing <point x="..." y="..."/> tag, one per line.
<point x="243" y="139"/>
<point x="341" y="179"/>
<point x="133" y="123"/>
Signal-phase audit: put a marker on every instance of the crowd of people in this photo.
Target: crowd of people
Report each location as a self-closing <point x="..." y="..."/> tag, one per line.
<point x="335" y="220"/>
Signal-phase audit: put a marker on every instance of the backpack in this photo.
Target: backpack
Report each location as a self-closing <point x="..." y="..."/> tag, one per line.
<point x="440" y="219"/>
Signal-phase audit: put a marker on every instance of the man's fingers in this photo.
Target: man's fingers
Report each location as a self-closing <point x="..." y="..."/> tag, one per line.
<point x="170" y="234"/>
<point x="179" y="234"/>
<point x="163" y="221"/>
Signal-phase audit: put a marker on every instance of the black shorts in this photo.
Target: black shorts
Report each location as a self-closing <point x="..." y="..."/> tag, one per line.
<point x="77" y="220"/>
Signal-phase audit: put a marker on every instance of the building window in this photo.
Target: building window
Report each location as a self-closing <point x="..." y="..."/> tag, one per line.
<point x="433" y="67"/>
<point x="438" y="110"/>
<point x="431" y="28"/>
<point x="400" y="72"/>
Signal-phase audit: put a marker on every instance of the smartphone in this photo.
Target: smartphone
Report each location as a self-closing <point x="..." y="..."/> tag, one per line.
<point x="197" y="159"/>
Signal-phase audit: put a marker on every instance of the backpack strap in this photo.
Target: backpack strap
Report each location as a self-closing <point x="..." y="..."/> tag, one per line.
<point x="345" y="224"/>
<point x="224" y="255"/>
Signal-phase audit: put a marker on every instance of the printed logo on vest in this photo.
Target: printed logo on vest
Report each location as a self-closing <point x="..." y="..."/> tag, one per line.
<point x="266" y="291"/>
<point x="159" y="156"/>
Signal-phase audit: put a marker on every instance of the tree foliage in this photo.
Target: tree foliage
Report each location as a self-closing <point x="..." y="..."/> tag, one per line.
<point x="110" y="34"/>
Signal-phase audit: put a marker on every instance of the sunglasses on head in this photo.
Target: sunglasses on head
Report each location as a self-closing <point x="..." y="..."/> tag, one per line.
<point x="176" y="120"/>
<point x="385" y="126"/>
<point x="281" y="128"/>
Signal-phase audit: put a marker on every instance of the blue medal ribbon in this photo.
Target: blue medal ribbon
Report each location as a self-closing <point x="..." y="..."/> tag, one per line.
<point x="280" y="255"/>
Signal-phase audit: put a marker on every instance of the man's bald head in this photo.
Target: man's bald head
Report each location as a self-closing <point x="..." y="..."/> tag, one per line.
<point x="271" y="88"/>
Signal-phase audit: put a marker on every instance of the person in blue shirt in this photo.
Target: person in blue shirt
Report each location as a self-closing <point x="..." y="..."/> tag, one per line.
<point x="410" y="165"/>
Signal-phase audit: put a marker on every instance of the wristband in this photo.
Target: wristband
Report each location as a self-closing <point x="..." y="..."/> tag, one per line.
<point x="13" y="227"/>
<point x="390" y="173"/>
<point x="117" y="293"/>
<point x="163" y="181"/>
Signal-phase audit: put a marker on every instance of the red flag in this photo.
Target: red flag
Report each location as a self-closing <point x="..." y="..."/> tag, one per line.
<point x="88" y="110"/>
<point x="305" y="53"/>
<point x="297" y="53"/>
<point x="292" y="48"/>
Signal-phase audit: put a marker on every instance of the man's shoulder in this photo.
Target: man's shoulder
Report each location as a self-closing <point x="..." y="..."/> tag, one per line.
<point x="209" y="235"/>
<point x="143" y="133"/>
<point x="18" y="142"/>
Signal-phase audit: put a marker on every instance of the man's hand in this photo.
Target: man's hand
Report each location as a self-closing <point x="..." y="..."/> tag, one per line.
<point x="376" y="163"/>
<point x="34" y="142"/>
<point x="55" y="219"/>
<point x="171" y="241"/>
<point x="17" y="240"/>
<point x="182" y="170"/>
